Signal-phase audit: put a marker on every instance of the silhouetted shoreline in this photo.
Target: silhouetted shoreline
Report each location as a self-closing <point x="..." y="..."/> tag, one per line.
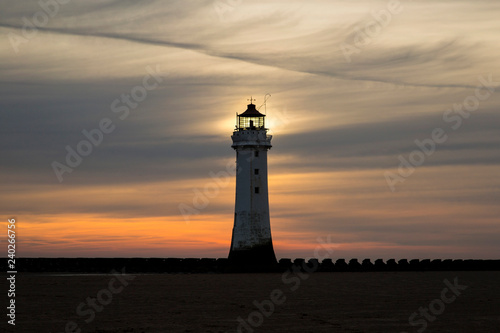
<point x="222" y="265"/>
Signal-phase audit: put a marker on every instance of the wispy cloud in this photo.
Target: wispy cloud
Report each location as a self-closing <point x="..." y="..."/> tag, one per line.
<point x="345" y="122"/>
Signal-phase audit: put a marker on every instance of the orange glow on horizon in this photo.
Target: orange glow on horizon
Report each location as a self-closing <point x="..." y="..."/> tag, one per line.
<point x="142" y="220"/>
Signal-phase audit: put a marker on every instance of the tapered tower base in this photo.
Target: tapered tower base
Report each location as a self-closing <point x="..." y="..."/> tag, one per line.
<point x="256" y="256"/>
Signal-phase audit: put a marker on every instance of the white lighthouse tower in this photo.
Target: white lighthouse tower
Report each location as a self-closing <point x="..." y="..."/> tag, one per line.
<point x="251" y="241"/>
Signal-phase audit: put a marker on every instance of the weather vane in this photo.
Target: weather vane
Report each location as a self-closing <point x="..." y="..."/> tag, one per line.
<point x="251" y="99"/>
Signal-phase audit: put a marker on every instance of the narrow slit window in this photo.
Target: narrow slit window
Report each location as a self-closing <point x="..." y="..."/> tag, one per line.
<point x="257" y="190"/>
<point x="256" y="171"/>
<point x="256" y="154"/>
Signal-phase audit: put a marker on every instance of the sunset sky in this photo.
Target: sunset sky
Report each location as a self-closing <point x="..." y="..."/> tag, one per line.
<point x="353" y="84"/>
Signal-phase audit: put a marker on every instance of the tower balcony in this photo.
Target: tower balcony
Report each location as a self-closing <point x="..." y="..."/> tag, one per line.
<point x="251" y="138"/>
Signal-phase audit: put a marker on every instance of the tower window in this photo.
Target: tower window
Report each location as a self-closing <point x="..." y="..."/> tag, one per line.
<point x="257" y="190"/>
<point x="256" y="171"/>
<point x="256" y="154"/>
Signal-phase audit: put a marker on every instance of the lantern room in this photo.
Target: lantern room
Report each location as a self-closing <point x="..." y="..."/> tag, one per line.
<point x="251" y="119"/>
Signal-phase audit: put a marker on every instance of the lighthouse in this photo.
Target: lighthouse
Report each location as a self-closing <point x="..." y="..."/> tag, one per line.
<point x="251" y="242"/>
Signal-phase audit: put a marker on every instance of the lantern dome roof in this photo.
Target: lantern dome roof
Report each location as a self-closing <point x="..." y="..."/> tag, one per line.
<point x="251" y="111"/>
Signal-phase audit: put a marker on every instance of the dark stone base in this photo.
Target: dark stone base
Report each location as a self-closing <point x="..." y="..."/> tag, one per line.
<point x="258" y="256"/>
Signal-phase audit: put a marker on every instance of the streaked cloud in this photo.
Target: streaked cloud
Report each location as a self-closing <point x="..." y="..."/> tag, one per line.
<point x="337" y="126"/>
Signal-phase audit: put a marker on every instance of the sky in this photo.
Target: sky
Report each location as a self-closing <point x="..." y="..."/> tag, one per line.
<point x="116" y="117"/>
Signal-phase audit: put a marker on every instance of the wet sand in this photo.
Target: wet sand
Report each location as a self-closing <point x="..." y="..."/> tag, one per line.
<point x="319" y="302"/>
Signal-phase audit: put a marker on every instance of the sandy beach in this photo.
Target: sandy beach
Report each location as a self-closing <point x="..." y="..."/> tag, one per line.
<point x="319" y="302"/>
